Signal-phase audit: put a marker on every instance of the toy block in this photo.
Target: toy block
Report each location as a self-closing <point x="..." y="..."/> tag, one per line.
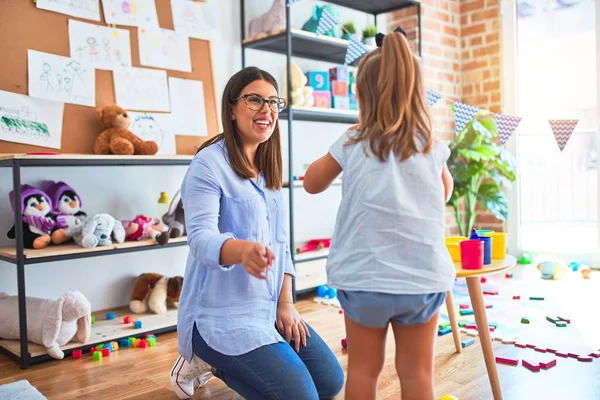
<point x="322" y="99"/>
<point x="353" y="101"/>
<point x="531" y="346"/>
<point x="444" y="331"/>
<point x="551" y="319"/>
<point x="595" y="354"/>
<point x="471" y="326"/>
<point x="550" y="351"/>
<point x="536" y="298"/>
<point x="490" y="292"/>
<point x="524" y="320"/>
<point x="352" y="89"/>
<point x="462" y="324"/>
<point x="464" y="306"/>
<point x="339" y="88"/>
<point x="127" y="319"/>
<point x="516" y="297"/>
<point x="471" y="333"/>
<point x="115" y="346"/>
<point x="521" y="345"/>
<point x="561" y="354"/>
<point x="151" y="342"/>
<point x="448" y="397"/>
<point x="497" y="339"/>
<point x="143" y="344"/>
<point x="489" y="305"/>
<point x="344" y="343"/>
<point x="93" y="349"/>
<point x="494" y="324"/>
<point x="318" y="80"/>
<point x="339" y="73"/>
<point x="531" y="365"/>
<point x="340" y="102"/>
<point x="508" y="341"/>
<point x="466" y="342"/>
<point x="444" y="325"/>
<point x="465" y="312"/>
<point x="109" y="347"/>
<point x="509" y="275"/>
<point x="568" y="321"/>
<point x="540" y="349"/>
<point x="105" y="352"/>
<point x="136" y="343"/>
<point x="506" y="360"/>
<point x="125" y="343"/>
<point x="131" y="342"/>
<point x="77" y="353"/>
<point x="100" y="347"/>
<point x="138" y="324"/>
<point x="110" y="315"/>
<point x="548" y="364"/>
<point x="97" y="356"/>
<point x="574" y="355"/>
<point x="584" y="359"/>
<point x="149" y="335"/>
<point x="561" y="324"/>
<point x="483" y="279"/>
<point x="93" y="319"/>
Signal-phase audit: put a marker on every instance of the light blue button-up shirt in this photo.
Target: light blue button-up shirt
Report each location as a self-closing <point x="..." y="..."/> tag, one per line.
<point x="234" y="312"/>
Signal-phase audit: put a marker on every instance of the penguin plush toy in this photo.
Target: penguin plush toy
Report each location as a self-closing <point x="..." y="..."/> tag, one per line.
<point x="35" y="212"/>
<point x="66" y="210"/>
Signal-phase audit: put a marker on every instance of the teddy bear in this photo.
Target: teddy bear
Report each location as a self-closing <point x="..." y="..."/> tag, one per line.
<point x="154" y="291"/>
<point x="302" y="95"/>
<point x="116" y="137"/>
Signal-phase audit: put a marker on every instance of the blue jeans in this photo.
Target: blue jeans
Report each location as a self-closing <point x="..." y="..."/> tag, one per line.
<point x="276" y="371"/>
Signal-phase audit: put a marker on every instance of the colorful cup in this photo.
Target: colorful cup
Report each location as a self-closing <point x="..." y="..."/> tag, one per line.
<point x="498" y="244"/>
<point x="471" y="254"/>
<point x="452" y="244"/>
<point x="487" y="249"/>
<point x="482" y="232"/>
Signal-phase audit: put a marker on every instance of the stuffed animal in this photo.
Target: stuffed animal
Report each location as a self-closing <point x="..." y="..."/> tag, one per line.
<point x="174" y="218"/>
<point x="142" y="227"/>
<point x="116" y="137"/>
<point x="155" y="291"/>
<point x="66" y="211"/>
<point x="35" y="212"/>
<point x="50" y="323"/>
<point x="99" y="230"/>
<point x="273" y="20"/>
<point x="313" y="23"/>
<point x="302" y="95"/>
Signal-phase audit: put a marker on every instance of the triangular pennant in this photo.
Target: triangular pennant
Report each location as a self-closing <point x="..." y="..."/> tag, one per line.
<point x="290" y="2"/>
<point x="326" y="22"/>
<point x="463" y="114"/>
<point x="506" y="126"/>
<point x="354" y="51"/>
<point x="432" y="97"/>
<point x="562" y="129"/>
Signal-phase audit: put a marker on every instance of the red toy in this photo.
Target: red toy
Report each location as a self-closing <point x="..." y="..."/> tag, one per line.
<point x="127" y="319"/>
<point x="532" y="366"/>
<point x="143" y="343"/>
<point x="77" y="353"/>
<point x="344" y="343"/>
<point x="313" y="245"/>
<point x="506" y="360"/>
<point x="548" y="364"/>
<point x="105" y="352"/>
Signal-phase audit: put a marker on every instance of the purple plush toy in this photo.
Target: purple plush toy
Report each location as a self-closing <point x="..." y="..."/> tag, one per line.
<point x="35" y="211"/>
<point x="66" y="211"/>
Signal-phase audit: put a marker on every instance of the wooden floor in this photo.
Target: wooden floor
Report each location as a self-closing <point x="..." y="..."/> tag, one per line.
<point x="143" y="373"/>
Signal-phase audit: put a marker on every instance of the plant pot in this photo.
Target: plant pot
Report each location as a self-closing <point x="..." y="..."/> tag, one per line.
<point x="346" y="36"/>
<point x="369" y="41"/>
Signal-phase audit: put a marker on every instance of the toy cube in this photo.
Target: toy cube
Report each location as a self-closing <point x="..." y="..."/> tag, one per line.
<point x="322" y="99"/>
<point x="143" y="343"/>
<point x="76" y="354"/>
<point x="318" y="80"/>
<point x="110" y="315"/>
<point x="105" y="352"/>
<point x="127" y="319"/>
<point x="138" y="324"/>
<point x="125" y="343"/>
<point x="339" y="88"/>
<point x="93" y="350"/>
<point x="109" y="347"/>
<point x="339" y="73"/>
<point x="151" y="342"/>
<point x="93" y="319"/>
<point x="96" y="356"/>
<point x="352" y="88"/>
<point x="136" y="342"/>
<point x="115" y="346"/>
<point x="353" y="101"/>
<point x="341" y="102"/>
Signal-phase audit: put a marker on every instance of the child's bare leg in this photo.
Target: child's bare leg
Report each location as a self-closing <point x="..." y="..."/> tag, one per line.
<point x="415" y="351"/>
<point x="366" y="354"/>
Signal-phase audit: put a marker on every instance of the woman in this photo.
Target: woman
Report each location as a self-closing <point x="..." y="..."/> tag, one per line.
<point x="236" y="311"/>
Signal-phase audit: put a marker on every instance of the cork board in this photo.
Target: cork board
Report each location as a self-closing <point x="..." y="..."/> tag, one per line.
<point x="48" y="32"/>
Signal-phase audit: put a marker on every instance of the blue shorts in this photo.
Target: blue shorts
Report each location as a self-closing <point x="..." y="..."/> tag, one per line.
<point x="377" y="310"/>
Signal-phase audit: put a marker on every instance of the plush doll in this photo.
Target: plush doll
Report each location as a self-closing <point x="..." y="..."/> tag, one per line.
<point x="66" y="211"/>
<point x="302" y="95"/>
<point x="99" y="230"/>
<point x="116" y="137"/>
<point x="35" y="212"/>
<point x="273" y="20"/>
<point x="174" y="218"/>
<point x="155" y="291"/>
<point x="50" y="323"/>
<point x="142" y="227"/>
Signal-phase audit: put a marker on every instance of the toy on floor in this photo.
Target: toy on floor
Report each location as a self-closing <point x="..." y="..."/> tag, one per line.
<point x="36" y="207"/>
<point x="155" y="291"/>
<point x="99" y="230"/>
<point x="66" y="210"/>
<point x="273" y="20"/>
<point x="174" y="218"/>
<point x="50" y="323"/>
<point x="142" y="227"/>
<point x="525" y="259"/>
<point x="313" y="23"/>
<point x="585" y="271"/>
<point x="116" y="137"/>
<point x="326" y="292"/>
<point x="552" y="269"/>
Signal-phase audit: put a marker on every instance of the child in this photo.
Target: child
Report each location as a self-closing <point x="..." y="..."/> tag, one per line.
<point x="187" y="377"/>
<point x="387" y="258"/>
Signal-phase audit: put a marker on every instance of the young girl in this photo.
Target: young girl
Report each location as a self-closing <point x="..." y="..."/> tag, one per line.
<point x="387" y="257"/>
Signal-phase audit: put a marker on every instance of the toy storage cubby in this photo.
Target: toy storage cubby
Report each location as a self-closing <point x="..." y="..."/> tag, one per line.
<point x="103" y="330"/>
<point x="292" y="42"/>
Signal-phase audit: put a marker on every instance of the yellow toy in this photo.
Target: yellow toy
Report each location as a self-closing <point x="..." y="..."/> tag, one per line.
<point x="301" y="94"/>
<point x="448" y="397"/>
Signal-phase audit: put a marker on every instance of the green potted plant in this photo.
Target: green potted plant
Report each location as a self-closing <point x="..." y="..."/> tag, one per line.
<point x="369" y="34"/>
<point x="348" y="29"/>
<point x="481" y="169"/>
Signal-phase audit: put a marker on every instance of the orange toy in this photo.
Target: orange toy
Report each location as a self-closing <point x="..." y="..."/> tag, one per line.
<point x="116" y="137"/>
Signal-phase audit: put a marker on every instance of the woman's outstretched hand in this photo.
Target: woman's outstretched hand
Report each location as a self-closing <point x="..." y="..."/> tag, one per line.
<point x="291" y="324"/>
<point x="257" y="259"/>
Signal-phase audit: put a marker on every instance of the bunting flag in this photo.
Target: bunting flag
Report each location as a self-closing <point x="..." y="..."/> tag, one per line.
<point x="355" y="50"/>
<point x="562" y="129"/>
<point x="432" y="97"/>
<point x="290" y="2"/>
<point x="506" y="126"/>
<point x="326" y="22"/>
<point x="463" y="114"/>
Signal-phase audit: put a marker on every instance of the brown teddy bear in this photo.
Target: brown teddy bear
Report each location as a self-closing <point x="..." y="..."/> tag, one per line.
<point x="155" y="291"/>
<point x="116" y="137"/>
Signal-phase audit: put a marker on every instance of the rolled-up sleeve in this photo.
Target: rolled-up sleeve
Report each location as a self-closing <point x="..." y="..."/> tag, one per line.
<point x="201" y="195"/>
<point x="289" y="266"/>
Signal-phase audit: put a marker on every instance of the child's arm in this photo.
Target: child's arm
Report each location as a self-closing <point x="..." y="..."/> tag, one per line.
<point x="321" y="174"/>
<point x="448" y="182"/>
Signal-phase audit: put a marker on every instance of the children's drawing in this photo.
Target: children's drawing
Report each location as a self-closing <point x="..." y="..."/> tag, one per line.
<point x="88" y="9"/>
<point x="141" y="89"/>
<point x="61" y="79"/>
<point x="154" y="127"/>
<point x="130" y="12"/>
<point x="163" y="48"/>
<point x="99" y="46"/>
<point x="195" y="19"/>
<point x="28" y="120"/>
<point x="187" y="107"/>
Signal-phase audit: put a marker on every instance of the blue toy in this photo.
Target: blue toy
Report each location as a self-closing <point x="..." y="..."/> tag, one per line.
<point x="138" y="324"/>
<point x="110" y="315"/>
<point x="312" y="24"/>
<point x="322" y="291"/>
<point x="124" y="343"/>
<point x="331" y="293"/>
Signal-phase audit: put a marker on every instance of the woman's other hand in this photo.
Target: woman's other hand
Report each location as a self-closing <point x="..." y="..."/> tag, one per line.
<point x="291" y="324"/>
<point x="256" y="259"/>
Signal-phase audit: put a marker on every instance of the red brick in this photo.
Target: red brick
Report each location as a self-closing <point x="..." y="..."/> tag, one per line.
<point x="491" y="86"/>
<point x="468" y="89"/>
<point x="467" y="6"/>
<point x="431" y="25"/>
<point x="433" y="50"/>
<point x="476" y="41"/>
<point x="488" y="14"/>
<point x="496" y="98"/>
<point x="439" y="16"/>
<point x="496" y="108"/>
<point x="450" y="30"/>
<point x="464" y="19"/>
<point x="447" y="41"/>
<point x="487" y="51"/>
<point x="487" y="74"/>
<point x="492" y="38"/>
<point x="473" y="29"/>
<point x="454" y="8"/>
<point x="471" y="65"/>
<point x="495" y="60"/>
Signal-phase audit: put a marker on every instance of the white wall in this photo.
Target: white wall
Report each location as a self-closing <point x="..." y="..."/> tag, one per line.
<point x="107" y="280"/>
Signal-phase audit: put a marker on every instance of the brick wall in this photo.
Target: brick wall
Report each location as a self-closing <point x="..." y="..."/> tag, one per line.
<point x="461" y="60"/>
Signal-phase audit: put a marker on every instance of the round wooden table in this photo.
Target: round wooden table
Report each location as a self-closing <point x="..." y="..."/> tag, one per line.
<point x="476" y="295"/>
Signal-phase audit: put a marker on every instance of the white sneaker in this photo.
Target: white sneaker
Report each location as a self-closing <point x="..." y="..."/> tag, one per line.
<point x="187" y="377"/>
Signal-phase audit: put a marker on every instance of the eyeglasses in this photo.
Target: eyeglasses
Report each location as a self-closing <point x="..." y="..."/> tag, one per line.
<point x="256" y="103"/>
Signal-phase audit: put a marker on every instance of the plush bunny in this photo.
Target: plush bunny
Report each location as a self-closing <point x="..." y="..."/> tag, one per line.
<point x="100" y="230"/>
<point x="50" y="323"/>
